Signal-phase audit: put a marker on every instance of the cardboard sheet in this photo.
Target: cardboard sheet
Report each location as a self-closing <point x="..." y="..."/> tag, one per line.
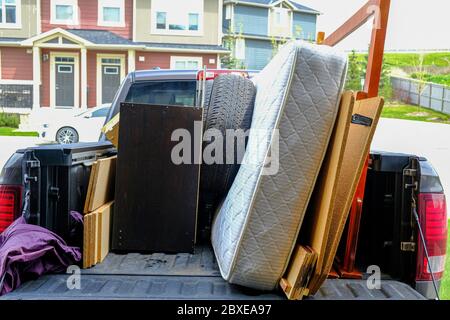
<point x="101" y="184"/>
<point x="97" y="230"/>
<point x="358" y="146"/>
<point x="315" y="229"/>
<point x="111" y="130"/>
<point x="104" y="226"/>
<point x="295" y="281"/>
<point x="86" y="241"/>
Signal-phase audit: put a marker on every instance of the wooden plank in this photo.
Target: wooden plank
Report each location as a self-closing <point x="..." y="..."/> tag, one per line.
<point x="379" y="9"/>
<point x="101" y="184"/>
<point x="94" y="238"/>
<point x="91" y="240"/>
<point x="352" y="24"/>
<point x="294" y="283"/>
<point x="156" y="198"/>
<point x="316" y="227"/>
<point x="357" y="148"/>
<point x="111" y="130"/>
<point x="85" y="241"/>
<point x="104" y="226"/>
<point x="92" y="178"/>
<point x="376" y="49"/>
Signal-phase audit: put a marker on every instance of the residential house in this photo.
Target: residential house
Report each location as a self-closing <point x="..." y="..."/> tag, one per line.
<point x="73" y="54"/>
<point x="257" y="27"/>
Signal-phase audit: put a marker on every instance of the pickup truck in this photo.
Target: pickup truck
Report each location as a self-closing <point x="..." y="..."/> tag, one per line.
<point x="389" y="236"/>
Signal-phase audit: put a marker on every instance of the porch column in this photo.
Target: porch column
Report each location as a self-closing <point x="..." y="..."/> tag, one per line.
<point x="131" y="60"/>
<point x="84" y="87"/>
<point x="36" y="78"/>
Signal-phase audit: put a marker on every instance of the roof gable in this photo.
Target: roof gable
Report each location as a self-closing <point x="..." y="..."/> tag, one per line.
<point x="46" y="36"/>
<point x="268" y="3"/>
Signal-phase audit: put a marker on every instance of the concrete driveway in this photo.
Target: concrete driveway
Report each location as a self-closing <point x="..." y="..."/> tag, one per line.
<point x="8" y="145"/>
<point x="429" y="140"/>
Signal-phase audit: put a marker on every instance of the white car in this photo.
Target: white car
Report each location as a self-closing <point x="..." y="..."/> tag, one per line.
<point x="83" y="127"/>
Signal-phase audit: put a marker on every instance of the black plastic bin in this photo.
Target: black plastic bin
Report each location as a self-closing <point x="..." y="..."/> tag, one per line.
<point x="56" y="179"/>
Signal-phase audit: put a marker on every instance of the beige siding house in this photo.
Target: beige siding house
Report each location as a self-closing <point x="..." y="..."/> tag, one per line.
<point x="183" y="34"/>
<point x="65" y="55"/>
<point x="179" y="22"/>
<point x="27" y="22"/>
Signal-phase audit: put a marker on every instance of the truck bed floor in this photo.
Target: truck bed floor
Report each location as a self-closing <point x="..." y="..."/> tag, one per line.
<point x="182" y="276"/>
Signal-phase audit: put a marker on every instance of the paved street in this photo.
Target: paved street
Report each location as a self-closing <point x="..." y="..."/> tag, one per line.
<point x="10" y="144"/>
<point x="430" y="140"/>
<point x="420" y="138"/>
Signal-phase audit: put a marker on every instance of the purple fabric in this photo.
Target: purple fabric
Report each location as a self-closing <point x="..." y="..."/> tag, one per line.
<point x="28" y="251"/>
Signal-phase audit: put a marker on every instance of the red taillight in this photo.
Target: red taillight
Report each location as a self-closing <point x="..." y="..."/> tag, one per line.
<point x="433" y="220"/>
<point x="10" y="204"/>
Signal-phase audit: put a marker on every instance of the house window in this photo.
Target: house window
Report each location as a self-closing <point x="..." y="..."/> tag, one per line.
<point x="281" y="17"/>
<point x="228" y="12"/>
<point x="239" y="51"/>
<point x="278" y="18"/>
<point x="183" y="19"/>
<point x="65" y="69"/>
<point x="111" y="61"/>
<point x="161" y="20"/>
<point x="186" y="63"/>
<point x="111" y="70"/>
<point x="111" y="13"/>
<point x="193" y="21"/>
<point x="64" y="12"/>
<point x="10" y="13"/>
<point x="65" y="59"/>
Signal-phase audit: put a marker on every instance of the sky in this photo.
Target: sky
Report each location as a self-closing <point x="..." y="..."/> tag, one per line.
<point x="413" y="24"/>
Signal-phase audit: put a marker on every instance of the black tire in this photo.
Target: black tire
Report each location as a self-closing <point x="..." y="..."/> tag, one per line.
<point x="208" y="91"/>
<point x="230" y="107"/>
<point x="67" y="135"/>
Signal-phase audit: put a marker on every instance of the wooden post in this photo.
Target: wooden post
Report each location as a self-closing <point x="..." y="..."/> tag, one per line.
<point x="379" y="9"/>
<point x="320" y="37"/>
<point x="443" y="99"/>
<point x="376" y="52"/>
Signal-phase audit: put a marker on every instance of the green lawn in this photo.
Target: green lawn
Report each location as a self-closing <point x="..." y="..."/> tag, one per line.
<point x="435" y="78"/>
<point x="445" y="284"/>
<point x="399" y="60"/>
<point x="408" y="112"/>
<point x="441" y="59"/>
<point x="5" y="131"/>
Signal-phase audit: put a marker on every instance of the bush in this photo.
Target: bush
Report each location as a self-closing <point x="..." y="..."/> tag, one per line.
<point x="10" y="120"/>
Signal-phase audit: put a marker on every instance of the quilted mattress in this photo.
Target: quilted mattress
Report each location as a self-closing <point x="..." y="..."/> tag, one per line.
<point x="257" y="225"/>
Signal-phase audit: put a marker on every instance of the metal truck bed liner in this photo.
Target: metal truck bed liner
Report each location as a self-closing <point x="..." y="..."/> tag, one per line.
<point x="106" y="287"/>
<point x="182" y="276"/>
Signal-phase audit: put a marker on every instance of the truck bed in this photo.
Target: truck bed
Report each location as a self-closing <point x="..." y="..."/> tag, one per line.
<point x="183" y="276"/>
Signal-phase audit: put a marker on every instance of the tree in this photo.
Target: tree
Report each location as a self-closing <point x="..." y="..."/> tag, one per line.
<point x="357" y="73"/>
<point x="354" y="74"/>
<point x="277" y="43"/>
<point x="419" y="75"/>
<point x="385" y="81"/>
<point x="229" y="61"/>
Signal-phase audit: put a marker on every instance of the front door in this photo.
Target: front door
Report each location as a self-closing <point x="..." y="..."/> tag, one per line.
<point x="110" y="81"/>
<point x="64" y="82"/>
